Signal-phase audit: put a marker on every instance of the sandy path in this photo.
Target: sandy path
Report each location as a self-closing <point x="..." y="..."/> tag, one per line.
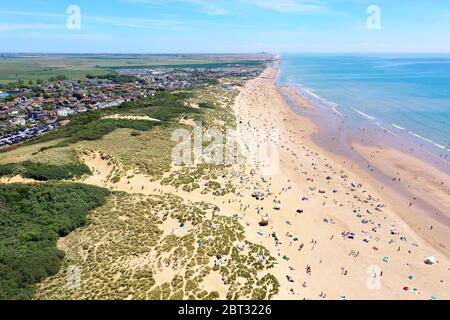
<point x="130" y="117"/>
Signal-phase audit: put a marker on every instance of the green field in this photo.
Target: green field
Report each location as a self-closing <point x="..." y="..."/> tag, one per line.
<point x="32" y="67"/>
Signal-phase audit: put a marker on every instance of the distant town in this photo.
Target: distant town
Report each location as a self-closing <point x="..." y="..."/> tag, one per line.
<point x="30" y="109"/>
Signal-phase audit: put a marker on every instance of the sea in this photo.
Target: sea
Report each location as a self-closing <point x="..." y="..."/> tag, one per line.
<point x="408" y="95"/>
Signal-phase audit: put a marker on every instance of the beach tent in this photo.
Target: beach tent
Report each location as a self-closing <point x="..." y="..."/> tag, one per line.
<point x="264" y="222"/>
<point x="430" y="260"/>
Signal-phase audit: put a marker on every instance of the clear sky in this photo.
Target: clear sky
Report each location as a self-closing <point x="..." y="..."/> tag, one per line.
<point x="195" y="26"/>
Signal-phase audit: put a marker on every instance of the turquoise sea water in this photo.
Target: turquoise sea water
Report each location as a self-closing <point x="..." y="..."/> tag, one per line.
<point x="406" y="94"/>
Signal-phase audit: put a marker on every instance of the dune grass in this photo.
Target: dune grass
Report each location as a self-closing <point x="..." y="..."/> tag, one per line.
<point x="123" y="253"/>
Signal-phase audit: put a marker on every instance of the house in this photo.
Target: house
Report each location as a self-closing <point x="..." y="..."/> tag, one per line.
<point x="64" y="112"/>
<point x="81" y="109"/>
<point x="18" y="121"/>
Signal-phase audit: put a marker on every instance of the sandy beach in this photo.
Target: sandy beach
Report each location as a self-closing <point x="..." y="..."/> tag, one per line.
<point x="323" y="203"/>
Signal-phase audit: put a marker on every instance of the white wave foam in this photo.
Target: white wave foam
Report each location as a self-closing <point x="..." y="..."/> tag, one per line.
<point x="337" y="112"/>
<point x="311" y="93"/>
<point x="441" y="146"/>
<point x="365" y="115"/>
<point x="428" y="140"/>
<point x="398" y="127"/>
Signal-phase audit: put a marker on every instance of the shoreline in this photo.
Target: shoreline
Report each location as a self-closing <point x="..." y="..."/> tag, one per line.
<point x="421" y="198"/>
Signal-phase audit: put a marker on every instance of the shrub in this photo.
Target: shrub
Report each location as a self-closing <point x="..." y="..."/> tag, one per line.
<point x="32" y="219"/>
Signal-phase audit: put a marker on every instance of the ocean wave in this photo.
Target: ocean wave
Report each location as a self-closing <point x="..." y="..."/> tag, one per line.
<point x="310" y="93"/>
<point x="337" y="112"/>
<point x="398" y="127"/>
<point x="365" y="115"/>
<point x="441" y="146"/>
<point x="429" y="141"/>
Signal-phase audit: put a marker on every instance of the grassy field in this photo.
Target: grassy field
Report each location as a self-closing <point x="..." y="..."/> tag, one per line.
<point x="32" y="67"/>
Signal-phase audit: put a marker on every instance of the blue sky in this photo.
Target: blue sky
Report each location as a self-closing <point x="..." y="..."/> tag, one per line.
<point x="194" y="26"/>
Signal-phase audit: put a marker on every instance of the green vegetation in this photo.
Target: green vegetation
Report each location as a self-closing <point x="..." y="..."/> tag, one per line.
<point x="9" y="170"/>
<point x="44" y="172"/>
<point x="32" y="218"/>
<point x="189" y="178"/>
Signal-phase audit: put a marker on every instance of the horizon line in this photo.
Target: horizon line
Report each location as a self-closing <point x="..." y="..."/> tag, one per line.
<point x="223" y="53"/>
